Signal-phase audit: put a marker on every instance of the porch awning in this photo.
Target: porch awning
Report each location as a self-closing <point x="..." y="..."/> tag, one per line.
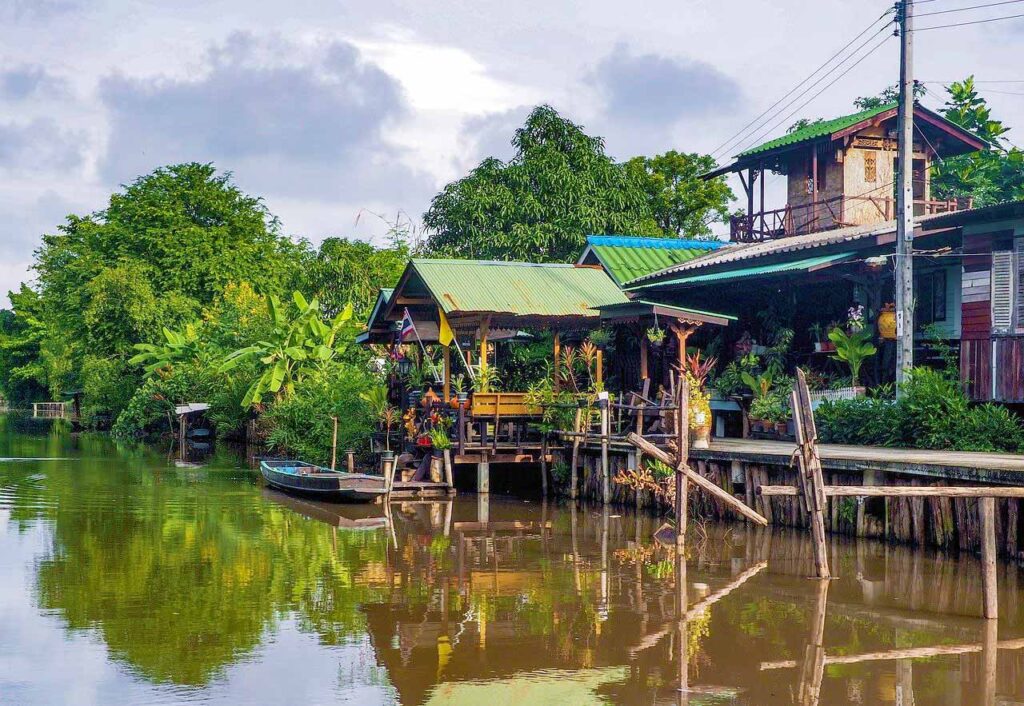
<point x="808" y="264"/>
<point x="638" y="308"/>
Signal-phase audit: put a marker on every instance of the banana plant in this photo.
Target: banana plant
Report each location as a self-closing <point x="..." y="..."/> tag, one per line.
<point x="853" y="348"/>
<point x="299" y="342"/>
<point x="176" y="348"/>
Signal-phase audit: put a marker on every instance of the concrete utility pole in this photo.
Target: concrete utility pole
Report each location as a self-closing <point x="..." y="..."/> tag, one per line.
<point x="904" y="264"/>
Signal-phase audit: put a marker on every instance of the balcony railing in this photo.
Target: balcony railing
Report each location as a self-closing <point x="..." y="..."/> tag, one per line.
<point x="827" y="214"/>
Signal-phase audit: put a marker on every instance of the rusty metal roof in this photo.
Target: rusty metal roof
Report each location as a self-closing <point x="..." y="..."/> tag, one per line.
<point x="514" y="288"/>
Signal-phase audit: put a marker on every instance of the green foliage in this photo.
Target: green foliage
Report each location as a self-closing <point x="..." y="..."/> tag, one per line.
<point x="989" y="176"/>
<point x="345" y="271"/>
<point x="108" y="383"/>
<point x="297" y="343"/>
<point x="682" y="203"/>
<point x="932" y="412"/>
<point x="439" y="438"/>
<point x="175" y="348"/>
<point x="23" y="373"/>
<point x="151" y="403"/>
<point x="772" y="407"/>
<point x="559" y="187"/>
<point x="853" y="349"/>
<point x="301" y="422"/>
<point x="658" y="470"/>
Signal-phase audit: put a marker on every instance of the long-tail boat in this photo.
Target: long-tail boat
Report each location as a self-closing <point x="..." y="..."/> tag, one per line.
<point x="313" y="481"/>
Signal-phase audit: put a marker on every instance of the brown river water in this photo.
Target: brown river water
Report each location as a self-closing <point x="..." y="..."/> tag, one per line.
<point x="129" y="578"/>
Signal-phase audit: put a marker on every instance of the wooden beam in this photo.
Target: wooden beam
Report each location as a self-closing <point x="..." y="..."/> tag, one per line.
<point x="558" y="357"/>
<point x="882" y="491"/>
<point x="666" y="458"/>
<point x="905" y="653"/>
<point x="643" y="356"/>
<point x="447" y="373"/>
<point x="811" y="480"/>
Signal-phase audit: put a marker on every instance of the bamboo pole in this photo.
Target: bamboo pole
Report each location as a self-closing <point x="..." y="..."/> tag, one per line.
<point x="334" y="444"/>
<point x="644" y="345"/>
<point x="987" y="513"/>
<point x="812" y="671"/>
<point x="734" y="504"/>
<point x="881" y="491"/>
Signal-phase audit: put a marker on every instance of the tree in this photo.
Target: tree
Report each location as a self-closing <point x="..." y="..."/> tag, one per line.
<point x="989" y="176"/>
<point x="347" y="272"/>
<point x="22" y="372"/>
<point x="559" y="187"/>
<point x="683" y="204"/>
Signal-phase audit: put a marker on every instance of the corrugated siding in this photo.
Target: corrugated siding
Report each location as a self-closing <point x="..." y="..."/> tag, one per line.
<point x="519" y="289"/>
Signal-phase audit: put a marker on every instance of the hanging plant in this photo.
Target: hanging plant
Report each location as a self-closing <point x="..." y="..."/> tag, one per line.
<point x="656" y="335"/>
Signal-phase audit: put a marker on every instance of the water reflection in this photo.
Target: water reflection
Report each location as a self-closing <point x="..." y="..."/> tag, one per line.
<point x="201" y="585"/>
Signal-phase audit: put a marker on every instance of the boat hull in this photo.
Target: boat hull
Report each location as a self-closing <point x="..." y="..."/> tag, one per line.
<point x="323" y="484"/>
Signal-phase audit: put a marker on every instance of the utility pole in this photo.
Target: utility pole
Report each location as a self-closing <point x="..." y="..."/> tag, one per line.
<point x="904" y="264"/>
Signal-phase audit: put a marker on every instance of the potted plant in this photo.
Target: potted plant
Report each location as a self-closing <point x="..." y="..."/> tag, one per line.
<point x="656" y="335"/>
<point x="461" y="395"/>
<point x="760" y="412"/>
<point x="416" y="379"/>
<point x="441" y="443"/>
<point x="600" y="337"/>
<point x="817" y="332"/>
<point x="486" y="379"/>
<point x="853" y="348"/>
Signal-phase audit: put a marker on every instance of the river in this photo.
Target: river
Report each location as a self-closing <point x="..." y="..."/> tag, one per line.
<point x="127" y="577"/>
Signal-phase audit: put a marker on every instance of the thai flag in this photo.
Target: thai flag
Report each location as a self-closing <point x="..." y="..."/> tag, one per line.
<point x="408" y="328"/>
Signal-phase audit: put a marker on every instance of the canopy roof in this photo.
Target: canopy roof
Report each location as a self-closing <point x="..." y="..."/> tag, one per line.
<point x="808" y="264"/>
<point x="639" y="308"/>
<point x="946" y="137"/>
<point x="627" y="257"/>
<point x="505" y="293"/>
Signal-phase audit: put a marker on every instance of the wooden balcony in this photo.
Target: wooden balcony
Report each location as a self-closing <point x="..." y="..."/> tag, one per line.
<point x="827" y="214"/>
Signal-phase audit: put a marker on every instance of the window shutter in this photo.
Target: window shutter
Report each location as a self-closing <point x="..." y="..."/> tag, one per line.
<point x="1018" y="267"/>
<point x="1003" y="275"/>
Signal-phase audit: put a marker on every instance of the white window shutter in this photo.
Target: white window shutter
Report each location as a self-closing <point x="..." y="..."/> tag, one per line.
<point x="1018" y="266"/>
<point x="1003" y="275"/>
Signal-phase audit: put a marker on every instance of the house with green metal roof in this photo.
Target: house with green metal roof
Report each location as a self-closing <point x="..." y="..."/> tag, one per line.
<point x="841" y="173"/>
<point x="626" y="258"/>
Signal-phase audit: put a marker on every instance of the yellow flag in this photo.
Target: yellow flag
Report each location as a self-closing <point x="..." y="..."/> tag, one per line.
<point x="444" y="331"/>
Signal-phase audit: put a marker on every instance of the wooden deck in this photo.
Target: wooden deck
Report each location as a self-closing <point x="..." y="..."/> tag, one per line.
<point x="951" y="465"/>
<point x="420" y="489"/>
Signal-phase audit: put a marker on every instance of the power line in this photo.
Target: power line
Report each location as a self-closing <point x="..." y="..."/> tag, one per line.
<point x="969" y="7"/>
<point x="972" y="22"/>
<point x="739" y="135"/>
<point x="803" y="105"/>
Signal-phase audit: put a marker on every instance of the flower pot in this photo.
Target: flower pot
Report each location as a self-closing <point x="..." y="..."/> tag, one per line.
<point x="407" y="474"/>
<point x="436" y="453"/>
<point x="702" y="436"/>
<point x="887" y="323"/>
<point x="387" y="455"/>
<point x="780" y="428"/>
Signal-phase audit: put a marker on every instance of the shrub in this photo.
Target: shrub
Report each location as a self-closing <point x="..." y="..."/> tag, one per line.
<point x="149" y="406"/>
<point x="301" y="425"/>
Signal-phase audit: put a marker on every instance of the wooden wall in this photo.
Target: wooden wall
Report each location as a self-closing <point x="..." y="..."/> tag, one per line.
<point x="976" y="318"/>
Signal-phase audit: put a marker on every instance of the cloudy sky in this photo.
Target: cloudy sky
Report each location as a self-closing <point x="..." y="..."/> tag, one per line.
<point x="337" y="110"/>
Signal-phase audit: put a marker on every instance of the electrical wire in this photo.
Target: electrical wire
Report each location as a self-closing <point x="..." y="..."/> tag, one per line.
<point x="739" y="135"/>
<point x="831" y="83"/>
<point x="969" y="7"/>
<point x="964" y="24"/>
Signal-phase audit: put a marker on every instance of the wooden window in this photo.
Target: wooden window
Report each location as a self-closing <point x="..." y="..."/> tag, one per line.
<point x="870" y="167"/>
<point x="1003" y="277"/>
<point x="930" y="302"/>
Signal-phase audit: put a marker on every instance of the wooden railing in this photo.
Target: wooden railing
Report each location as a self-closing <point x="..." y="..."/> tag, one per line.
<point x="827" y="214"/>
<point x="50" y="410"/>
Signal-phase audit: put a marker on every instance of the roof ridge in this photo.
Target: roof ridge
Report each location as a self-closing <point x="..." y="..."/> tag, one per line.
<point x="503" y="263"/>
<point x="666" y="243"/>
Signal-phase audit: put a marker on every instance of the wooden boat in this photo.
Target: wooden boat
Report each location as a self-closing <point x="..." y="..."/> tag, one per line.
<point x="312" y="481"/>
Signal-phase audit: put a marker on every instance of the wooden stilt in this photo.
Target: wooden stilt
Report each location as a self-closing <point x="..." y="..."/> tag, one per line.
<point x="605" y="470"/>
<point x="573" y="480"/>
<point x="544" y="466"/>
<point x="682" y="459"/>
<point x="811" y="480"/>
<point x="812" y="670"/>
<point x="350" y="460"/>
<point x="987" y="511"/>
<point x="682" y="624"/>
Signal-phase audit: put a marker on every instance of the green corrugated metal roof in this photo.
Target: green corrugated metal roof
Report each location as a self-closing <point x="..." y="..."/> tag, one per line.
<point x="795" y="265"/>
<point x="517" y="288"/>
<point x="626" y="258"/>
<point x="641" y="306"/>
<point x="816" y="130"/>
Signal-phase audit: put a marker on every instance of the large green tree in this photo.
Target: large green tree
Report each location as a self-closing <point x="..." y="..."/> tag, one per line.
<point x="345" y="271"/>
<point x="989" y="176"/>
<point x="559" y="187"/>
<point x="682" y="203"/>
<point x="22" y="371"/>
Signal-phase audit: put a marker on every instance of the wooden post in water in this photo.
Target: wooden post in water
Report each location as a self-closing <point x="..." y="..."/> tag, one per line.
<point x="682" y="623"/>
<point x="682" y="416"/>
<point x="334" y="443"/>
<point x="350" y="460"/>
<point x="605" y="431"/>
<point x="544" y="465"/>
<point x="811" y="481"/>
<point x="812" y="671"/>
<point x="987" y="512"/>
<point x="575" y="454"/>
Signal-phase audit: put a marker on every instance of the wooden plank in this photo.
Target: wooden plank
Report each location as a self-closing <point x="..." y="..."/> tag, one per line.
<point x="734" y="504"/>
<point x="810" y="469"/>
<point x="882" y="491"/>
<point x="904" y="653"/>
<point x="573" y="482"/>
<point x="682" y="456"/>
